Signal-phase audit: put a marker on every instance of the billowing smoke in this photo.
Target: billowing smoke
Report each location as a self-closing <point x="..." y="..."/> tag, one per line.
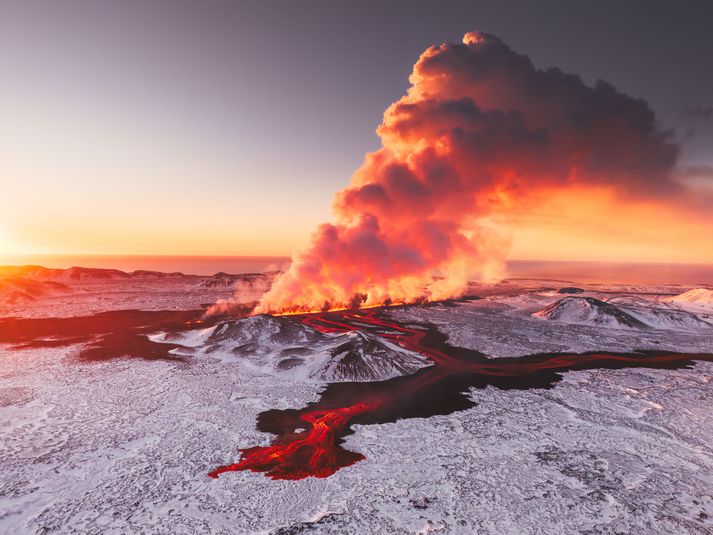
<point x="480" y="132"/>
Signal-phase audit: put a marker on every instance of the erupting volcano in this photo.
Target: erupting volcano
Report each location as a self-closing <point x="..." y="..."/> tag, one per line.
<point x="499" y="319"/>
<point x="481" y="137"/>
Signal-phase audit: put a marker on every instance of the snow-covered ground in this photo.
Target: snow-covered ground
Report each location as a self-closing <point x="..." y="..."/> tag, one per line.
<point x="281" y="346"/>
<point x="80" y="291"/>
<point x="125" y="445"/>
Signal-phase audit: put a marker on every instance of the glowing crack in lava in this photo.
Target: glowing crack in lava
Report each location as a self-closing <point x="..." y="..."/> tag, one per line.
<point x="297" y="453"/>
<point x="311" y="452"/>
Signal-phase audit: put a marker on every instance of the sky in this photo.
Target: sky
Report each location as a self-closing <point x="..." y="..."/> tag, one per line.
<point x="225" y="128"/>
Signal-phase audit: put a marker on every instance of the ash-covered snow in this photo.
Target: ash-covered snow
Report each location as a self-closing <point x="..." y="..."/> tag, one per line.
<point x="588" y="311"/>
<point x="124" y="446"/>
<point x="280" y="345"/>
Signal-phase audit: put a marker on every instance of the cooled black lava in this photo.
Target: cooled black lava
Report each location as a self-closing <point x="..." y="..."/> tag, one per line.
<point x="307" y="441"/>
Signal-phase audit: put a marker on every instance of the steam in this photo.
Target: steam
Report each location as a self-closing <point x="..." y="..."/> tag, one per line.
<point x="479" y="135"/>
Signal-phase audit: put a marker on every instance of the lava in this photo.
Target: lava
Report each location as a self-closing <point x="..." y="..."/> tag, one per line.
<point x="441" y="389"/>
<point x="117" y="333"/>
<point x="312" y="452"/>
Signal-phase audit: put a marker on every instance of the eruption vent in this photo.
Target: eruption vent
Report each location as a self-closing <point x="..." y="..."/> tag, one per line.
<point x="481" y="135"/>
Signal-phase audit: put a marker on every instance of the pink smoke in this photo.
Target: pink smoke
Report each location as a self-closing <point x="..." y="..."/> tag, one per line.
<point x="480" y="132"/>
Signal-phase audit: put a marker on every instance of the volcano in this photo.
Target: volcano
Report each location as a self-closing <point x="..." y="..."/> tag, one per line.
<point x="284" y="346"/>
<point x="589" y="311"/>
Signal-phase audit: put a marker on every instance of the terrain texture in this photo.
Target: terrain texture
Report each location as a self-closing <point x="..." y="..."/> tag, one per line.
<point x="122" y="441"/>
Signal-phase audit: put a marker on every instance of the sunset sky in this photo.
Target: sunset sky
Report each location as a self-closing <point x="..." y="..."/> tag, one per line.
<point x="225" y="128"/>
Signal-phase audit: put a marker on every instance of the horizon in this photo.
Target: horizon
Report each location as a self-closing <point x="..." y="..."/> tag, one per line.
<point x="356" y="267"/>
<point x="579" y="271"/>
<point x="160" y="134"/>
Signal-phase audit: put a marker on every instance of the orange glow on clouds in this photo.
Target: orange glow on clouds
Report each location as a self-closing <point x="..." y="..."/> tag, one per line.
<point x="592" y="224"/>
<point x="483" y="146"/>
<point x="68" y="189"/>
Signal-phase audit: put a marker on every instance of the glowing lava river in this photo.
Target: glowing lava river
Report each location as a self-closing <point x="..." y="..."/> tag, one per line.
<point x="307" y="441"/>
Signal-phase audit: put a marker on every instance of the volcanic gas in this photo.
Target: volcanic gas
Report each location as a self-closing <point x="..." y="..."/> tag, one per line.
<point x="480" y="136"/>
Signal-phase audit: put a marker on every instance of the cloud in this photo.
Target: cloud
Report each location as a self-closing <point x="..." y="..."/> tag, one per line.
<point x="702" y="113"/>
<point x="480" y="133"/>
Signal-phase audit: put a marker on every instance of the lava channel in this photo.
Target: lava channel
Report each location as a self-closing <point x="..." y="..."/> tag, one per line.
<point x="441" y="389"/>
<point x="311" y="452"/>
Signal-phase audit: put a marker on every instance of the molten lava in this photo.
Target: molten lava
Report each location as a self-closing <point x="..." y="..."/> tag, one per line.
<point x="313" y="452"/>
<point x="297" y="453"/>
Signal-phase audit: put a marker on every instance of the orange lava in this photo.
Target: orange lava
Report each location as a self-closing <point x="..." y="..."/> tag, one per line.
<point x="313" y="452"/>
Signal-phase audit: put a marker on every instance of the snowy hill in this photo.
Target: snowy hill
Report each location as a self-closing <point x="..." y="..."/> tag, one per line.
<point x="265" y="330"/>
<point x="623" y="312"/>
<point x="660" y="315"/>
<point x="699" y="299"/>
<point x="589" y="311"/>
<point x="278" y="345"/>
<point x="366" y="357"/>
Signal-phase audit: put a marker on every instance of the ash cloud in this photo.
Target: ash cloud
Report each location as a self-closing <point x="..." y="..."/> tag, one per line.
<point x="480" y="132"/>
<point x="703" y="113"/>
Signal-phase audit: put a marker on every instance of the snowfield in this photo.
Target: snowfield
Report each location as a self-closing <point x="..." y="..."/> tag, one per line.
<point x="698" y="299"/>
<point x="125" y="445"/>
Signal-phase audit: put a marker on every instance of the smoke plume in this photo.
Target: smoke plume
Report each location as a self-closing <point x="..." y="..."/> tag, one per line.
<point x="480" y="133"/>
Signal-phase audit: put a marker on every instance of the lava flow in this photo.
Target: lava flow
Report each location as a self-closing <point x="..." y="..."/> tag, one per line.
<point x="441" y="389"/>
<point x="306" y="453"/>
<point x="106" y="335"/>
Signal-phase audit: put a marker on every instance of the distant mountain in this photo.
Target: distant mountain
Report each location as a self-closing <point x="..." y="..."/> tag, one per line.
<point x="147" y="274"/>
<point x="70" y="274"/>
<point x="699" y="299"/>
<point x="15" y="290"/>
<point x="589" y="311"/>
<point x="259" y="281"/>
<point x="282" y="346"/>
<point x="82" y="274"/>
<point x="220" y="280"/>
<point x="660" y="314"/>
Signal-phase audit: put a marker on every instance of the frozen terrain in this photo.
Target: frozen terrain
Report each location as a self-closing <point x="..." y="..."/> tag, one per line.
<point x="281" y="346"/>
<point x="124" y="445"/>
<point x="34" y="291"/>
<point x="697" y="299"/>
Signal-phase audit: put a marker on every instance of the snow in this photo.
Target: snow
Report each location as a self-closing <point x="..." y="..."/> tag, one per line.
<point x="588" y="311"/>
<point x="698" y="299"/>
<point x="124" y="446"/>
<point x="285" y="347"/>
